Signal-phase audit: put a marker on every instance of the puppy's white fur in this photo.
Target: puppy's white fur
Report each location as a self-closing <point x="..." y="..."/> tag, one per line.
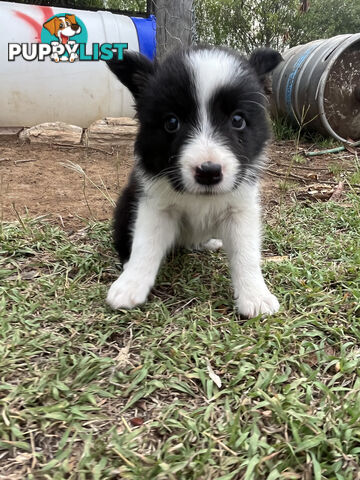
<point x="166" y="219"/>
<point x="212" y="70"/>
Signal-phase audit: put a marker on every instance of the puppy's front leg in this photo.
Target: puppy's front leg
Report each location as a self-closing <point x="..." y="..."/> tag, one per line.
<point x="242" y="240"/>
<point x="154" y="234"/>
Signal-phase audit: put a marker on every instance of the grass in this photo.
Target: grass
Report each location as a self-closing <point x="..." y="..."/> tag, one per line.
<point x="88" y="393"/>
<point x="283" y="130"/>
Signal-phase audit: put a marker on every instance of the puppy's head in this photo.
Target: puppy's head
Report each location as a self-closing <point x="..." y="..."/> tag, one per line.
<point x="202" y="115"/>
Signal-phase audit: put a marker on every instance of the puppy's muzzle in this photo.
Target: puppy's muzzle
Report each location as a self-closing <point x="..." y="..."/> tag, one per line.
<point x="208" y="173"/>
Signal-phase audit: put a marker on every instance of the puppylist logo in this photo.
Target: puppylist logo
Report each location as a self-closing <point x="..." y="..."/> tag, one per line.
<point x="63" y="39"/>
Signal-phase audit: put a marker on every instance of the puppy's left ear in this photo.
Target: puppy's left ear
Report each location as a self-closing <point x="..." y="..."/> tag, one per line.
<point x="264" y="60"/>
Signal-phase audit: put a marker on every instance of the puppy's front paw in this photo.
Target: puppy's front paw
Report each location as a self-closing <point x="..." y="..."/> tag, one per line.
<point x="252" y="304"/>
<point x="127" y="292"/>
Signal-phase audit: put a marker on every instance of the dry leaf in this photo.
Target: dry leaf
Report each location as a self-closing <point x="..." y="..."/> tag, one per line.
<point x="313" y="176"/>
<point x="337" y="192"/>
<point x="23" y="457"/>
<point x="215" y="378"/>
<point x="122" y="358"/>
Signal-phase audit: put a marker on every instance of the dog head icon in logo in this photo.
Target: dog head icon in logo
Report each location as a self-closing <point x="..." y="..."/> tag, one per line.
<point x="67" y="30"/>
<point x="63" y="27"/>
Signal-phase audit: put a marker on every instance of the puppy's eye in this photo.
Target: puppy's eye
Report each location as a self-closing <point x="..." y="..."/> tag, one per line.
<point x="237" y="121"/>
<point x="68" y="24"/>
<point x="171" y="123"/>
<point x="61" y="25"/>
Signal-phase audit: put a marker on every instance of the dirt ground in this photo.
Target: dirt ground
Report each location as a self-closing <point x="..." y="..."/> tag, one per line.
<point x="37" y="180"/>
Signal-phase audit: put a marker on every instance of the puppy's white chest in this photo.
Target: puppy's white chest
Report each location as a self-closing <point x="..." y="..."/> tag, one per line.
<point x="199" y="219"/>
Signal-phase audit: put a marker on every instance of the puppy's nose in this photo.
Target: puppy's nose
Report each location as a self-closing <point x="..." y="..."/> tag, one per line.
<point x="208" y="173"/>
<point x="74" y="26"/>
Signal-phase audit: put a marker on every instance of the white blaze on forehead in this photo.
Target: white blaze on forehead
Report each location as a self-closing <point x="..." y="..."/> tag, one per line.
<point x="212" y="69"/>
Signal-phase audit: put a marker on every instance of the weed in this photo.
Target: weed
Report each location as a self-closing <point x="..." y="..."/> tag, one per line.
<point x="283" y="130"/>
<point x="299" y="159"/>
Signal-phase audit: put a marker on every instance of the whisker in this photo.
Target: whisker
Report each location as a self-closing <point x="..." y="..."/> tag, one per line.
<point x="256" y="103"/>
<point x="257" y="93"/>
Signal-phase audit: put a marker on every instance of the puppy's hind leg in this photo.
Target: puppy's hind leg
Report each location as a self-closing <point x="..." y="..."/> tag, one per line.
<point x="154" y="234"/>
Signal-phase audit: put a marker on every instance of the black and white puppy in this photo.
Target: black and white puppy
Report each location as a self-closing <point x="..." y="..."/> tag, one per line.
<point x="198" y="154"/>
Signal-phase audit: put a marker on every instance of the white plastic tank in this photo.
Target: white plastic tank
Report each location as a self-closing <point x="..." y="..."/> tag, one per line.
<point x="77" y="92"/>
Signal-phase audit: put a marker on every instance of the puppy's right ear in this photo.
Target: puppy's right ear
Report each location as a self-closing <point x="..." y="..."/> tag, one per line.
<point x="133" y="71"/>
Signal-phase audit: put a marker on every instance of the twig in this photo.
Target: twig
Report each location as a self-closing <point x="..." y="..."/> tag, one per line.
<point x="287" y="175"/>
<point x="4" y="159"/>
<point x="32" y="443"/>
<point x="353" y="144"/>
<point x="86" y="199"/>
<point x="183" y="306"/>
<point x="274" y="174"/>
<point x="329" y="182"/>
<point x="304" y="180"/>
<point x="300" y="167"/>
<point x="126" y="425"/>
<point x="62" y="221"/>
<point x="25" y="160"/>
<point x="124" y="459"/>
<point x="86" y="146"/>
<point x="220" y="443"/>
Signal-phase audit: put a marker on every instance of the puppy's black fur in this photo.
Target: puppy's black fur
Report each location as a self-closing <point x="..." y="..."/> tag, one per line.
<point x="169" y="88"/>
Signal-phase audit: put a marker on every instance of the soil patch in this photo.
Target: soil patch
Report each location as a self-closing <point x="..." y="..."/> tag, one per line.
<point x="38" y="180"/>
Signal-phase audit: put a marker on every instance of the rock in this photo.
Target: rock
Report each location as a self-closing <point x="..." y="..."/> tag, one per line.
<point x="52" y="132"/>
<point x="111" y="132"/>
<point x="9" y="133"/>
